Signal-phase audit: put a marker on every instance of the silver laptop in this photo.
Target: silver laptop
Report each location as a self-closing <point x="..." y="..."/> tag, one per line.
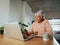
<point x="13" y="30"/>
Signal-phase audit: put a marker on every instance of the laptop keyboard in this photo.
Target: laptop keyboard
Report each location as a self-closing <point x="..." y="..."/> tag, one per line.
<point x="29" y="37"/>
<point x="32" y="36"/>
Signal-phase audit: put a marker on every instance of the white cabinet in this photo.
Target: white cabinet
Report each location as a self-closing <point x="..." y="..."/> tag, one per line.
<point x="55" y="23"/>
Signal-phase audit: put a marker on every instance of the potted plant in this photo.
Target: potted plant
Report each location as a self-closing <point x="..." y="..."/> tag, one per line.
<point x="2" y="30"/>
<point x="23" y="25"/>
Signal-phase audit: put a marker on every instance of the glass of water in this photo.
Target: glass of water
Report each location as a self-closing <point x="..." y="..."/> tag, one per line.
<point x="46" y="36"/>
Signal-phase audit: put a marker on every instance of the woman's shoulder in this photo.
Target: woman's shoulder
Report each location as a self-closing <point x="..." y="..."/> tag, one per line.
<point x="45" y="20"/>
<point x="34" y="23"/>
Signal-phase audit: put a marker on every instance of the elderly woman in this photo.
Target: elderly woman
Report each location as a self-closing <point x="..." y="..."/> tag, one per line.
<point x="41" y="25"/>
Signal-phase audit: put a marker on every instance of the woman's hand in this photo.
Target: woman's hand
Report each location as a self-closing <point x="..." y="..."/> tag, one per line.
<point x="36" y="33"/>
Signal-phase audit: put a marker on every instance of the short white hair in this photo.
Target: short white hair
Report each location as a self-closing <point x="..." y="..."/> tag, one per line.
<point x="40" y="12"/>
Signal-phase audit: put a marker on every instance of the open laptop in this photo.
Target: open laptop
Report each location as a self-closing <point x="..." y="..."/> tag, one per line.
<point x="13" y="30"/>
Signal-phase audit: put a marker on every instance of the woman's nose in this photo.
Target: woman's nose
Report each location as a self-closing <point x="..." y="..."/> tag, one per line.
<point x="38" y="18"/>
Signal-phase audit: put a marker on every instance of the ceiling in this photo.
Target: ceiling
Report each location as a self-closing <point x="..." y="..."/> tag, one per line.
<point x="46" y="5"/>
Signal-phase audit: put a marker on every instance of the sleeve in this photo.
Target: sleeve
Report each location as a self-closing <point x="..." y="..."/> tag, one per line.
<point x="49" y="28"/>
<point x="31" y="28"/>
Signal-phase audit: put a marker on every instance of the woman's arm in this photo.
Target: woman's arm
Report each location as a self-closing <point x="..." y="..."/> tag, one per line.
<point x="49" y="29"/>
<point x="31" y="29"/>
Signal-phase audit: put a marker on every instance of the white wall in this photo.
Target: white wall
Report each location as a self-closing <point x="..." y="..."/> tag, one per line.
<point x="28" y="15"/>
<point x="20" y="11"/>
<point x="4" y="11"/>
<point x="15" y="11"/>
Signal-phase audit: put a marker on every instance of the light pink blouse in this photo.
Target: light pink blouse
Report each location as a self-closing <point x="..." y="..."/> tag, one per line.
<point x="41" y="28"/>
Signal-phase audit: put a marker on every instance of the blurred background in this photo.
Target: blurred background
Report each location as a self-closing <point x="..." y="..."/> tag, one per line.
<point x="23" y="11"/>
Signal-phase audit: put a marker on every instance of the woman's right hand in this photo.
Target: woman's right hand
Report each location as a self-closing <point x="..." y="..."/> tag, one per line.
<point x="36" y="33"/>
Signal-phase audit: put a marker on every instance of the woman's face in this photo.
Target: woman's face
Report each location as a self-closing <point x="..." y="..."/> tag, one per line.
<point x="38" y="17"/>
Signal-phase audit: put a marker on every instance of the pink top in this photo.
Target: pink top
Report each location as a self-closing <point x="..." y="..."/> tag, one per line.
<point x="41" y="27"/>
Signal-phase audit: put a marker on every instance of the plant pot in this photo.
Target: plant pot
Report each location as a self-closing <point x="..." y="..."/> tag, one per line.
<point x="1" y="31"/>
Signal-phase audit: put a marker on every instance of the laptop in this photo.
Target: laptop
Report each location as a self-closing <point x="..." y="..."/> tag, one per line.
<point x="13" y="30"/>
